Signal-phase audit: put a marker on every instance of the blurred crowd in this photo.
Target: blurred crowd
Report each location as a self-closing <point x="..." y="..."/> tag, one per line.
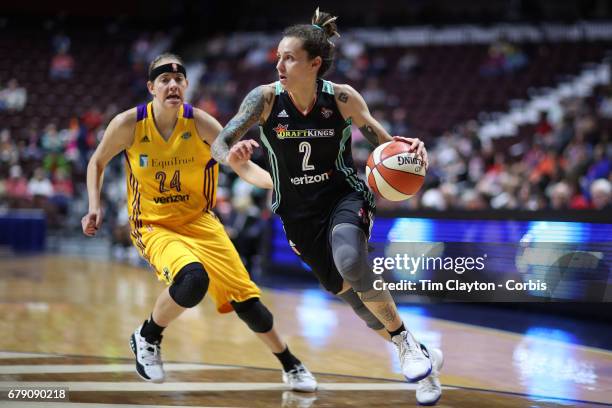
<point x="558" y="166"/>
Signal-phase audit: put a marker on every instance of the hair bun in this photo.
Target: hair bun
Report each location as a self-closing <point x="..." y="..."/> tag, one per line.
<point x="326" y="22"/>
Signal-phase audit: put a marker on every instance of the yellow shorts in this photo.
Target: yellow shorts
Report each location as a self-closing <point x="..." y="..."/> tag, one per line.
<point x="204" y="240"/>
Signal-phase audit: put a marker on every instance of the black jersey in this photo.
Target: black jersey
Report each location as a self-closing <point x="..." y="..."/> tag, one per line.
<point x="310" y="156"/>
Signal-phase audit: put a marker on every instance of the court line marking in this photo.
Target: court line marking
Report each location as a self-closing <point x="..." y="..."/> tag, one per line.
<point x="14" y="354"/>
<point x="88" y="405"/>
<point x="203" y="386"/>
<point x="100" y="368"/>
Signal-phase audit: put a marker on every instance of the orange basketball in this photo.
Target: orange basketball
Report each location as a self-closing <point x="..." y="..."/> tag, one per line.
<point x="393" y="172"/>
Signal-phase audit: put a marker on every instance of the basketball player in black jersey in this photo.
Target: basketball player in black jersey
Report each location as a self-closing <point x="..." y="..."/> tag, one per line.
<point x="305" y="125"/>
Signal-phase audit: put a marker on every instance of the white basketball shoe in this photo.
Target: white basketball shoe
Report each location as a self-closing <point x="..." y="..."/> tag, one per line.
<point x="148" y="358"/>
<point x="429" y="390"/>
<point x="300" y="379"/>
<point x="414" y="357"/>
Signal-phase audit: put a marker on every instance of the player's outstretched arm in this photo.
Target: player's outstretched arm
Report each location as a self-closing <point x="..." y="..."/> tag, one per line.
<point x="239" y="160"/>
<point x="352" y="105"/>
<point x="239" y="155"/>
<point x="118" y="136"/>
<point x="251" y="111"/>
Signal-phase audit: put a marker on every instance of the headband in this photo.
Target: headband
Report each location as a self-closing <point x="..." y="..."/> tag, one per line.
<point x="173" y="67"/>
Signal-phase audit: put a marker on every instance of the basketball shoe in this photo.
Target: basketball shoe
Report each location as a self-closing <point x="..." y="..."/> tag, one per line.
<point x="429" y="390"/>
<point x="300" y="379"/>
<point x="414" y="357"/>
<point x="148" y="357"/>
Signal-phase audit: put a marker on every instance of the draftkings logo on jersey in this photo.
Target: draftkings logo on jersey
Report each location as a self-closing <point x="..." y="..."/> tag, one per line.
<point x="283" y="132"/>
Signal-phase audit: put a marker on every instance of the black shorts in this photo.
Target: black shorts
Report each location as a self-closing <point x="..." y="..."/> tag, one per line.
<point x="310" y="238"/>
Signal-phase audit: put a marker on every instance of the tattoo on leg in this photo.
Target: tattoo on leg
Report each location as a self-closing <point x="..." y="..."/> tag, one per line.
<point x="343" y="97"/>
<point x="387" y="314"/>
<point x="368" y="132"/>
<point x="380" y="304"/>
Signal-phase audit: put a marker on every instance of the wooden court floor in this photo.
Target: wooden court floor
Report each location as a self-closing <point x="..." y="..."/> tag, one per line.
<point x="65" y="323"/>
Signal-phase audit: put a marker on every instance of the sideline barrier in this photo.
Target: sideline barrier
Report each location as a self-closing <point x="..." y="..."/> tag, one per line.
<point x="23" y="230"/>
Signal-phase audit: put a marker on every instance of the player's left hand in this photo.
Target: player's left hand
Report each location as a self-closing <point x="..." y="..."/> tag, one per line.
<point x="241" y="151"/>
<point x="416" y="145"/>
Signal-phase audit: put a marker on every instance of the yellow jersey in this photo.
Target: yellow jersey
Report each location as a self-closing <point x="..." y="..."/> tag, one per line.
<point x="169" y="182"/>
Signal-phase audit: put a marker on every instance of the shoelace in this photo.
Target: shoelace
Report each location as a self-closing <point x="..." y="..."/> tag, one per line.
<point x="414" y="353"/>
<point x="152" y="354"/>
<point x="404" y="346"/>
<point x="300" y="373"/>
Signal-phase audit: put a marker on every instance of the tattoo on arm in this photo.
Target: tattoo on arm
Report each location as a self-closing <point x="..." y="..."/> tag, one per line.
<point x="369" y="133"/>
<point x="249" y="113"/>
<point x="343" y="97"/>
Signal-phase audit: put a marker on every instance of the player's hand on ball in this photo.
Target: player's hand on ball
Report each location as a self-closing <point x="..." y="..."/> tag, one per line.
<point x="416" y="145"/>
<point x="241" y="151"/>
<point x="91" y="222"/>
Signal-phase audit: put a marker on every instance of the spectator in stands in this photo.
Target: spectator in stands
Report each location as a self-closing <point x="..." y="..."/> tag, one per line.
<point x="17" y="188"/>
<point x="63" y="191"/>
<point x="503" y="57"/>
<point x="51" y="141"/>
<point x="399" y="123"/>
<point x="543" y="127"/>
<point x="600" y="166"/>
<point x="605" y="104"/>
<point x="433" y="199"/>
<point x="473" y="200"/>
<point x="40" y="185"/>
<point x="139" y="53"/>
<point x="245" y="228"/>
<point x="373" y="94"/>
<point x="62" y="65"/>
<point x="13" y="98"/>
<point x="9" y="154"/>
<point x="60" y="42"/>
<point x="560" y="196"/>
<point x="601" y="195"/>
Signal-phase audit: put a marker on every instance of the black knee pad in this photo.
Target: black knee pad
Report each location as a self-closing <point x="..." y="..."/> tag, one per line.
<point x="254" y="314"/>
<point x="190" y="285"/>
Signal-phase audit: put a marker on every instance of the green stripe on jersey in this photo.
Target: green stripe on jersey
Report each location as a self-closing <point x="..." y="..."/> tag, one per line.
<point x="274" y="168"/>
<point x="328" y="87"/>
<point x="351" y="178"/>
<point x="278" y="88"/>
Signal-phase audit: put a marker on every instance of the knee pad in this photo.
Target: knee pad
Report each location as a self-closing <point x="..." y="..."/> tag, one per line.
<point x="254" y="314"/>
<point x="190" y="285"/>
<point x="350" y="253"/>
<point x="353" y="300"/>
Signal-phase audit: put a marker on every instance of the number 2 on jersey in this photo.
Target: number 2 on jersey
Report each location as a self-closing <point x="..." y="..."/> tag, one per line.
<point x="306" y="149"/>
<point x="175" y="183"/>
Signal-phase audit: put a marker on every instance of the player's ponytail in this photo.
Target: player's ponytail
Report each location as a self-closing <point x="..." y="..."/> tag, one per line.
<point x="316" y="38"/>
<point x="326" y="22"/>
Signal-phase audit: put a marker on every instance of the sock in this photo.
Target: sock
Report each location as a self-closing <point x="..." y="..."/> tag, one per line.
<point x="287" y="359"/>
<point x="398" y="331"/>
<point x="151" y="331"/>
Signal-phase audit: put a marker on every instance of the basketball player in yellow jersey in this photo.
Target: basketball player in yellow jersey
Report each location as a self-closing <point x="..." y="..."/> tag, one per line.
<point x="172" y="182"/>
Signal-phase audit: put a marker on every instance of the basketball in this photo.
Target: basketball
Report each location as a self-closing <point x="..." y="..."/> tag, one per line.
<point x="393" y="172"/>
